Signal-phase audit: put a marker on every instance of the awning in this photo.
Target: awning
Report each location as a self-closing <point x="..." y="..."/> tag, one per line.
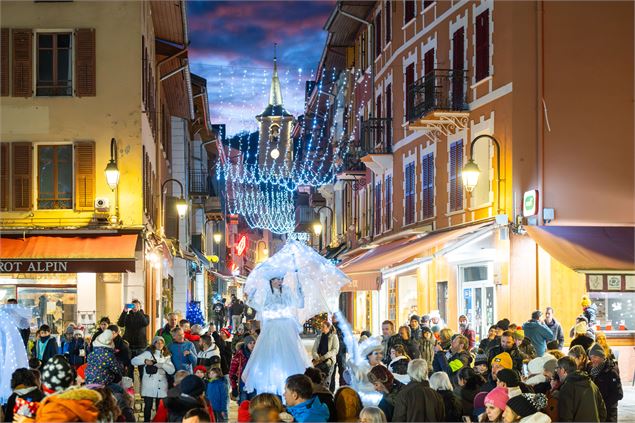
<point x="401" y="251"/>
<point x="333" y="253"/>
<point x="588" y="248"/>
<point x="68" y="254"/>
<point x="370" y="281"/>
<point x="203" y="260"/>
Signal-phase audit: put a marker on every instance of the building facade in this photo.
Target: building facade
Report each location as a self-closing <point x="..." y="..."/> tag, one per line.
<point x="499" y="85"/>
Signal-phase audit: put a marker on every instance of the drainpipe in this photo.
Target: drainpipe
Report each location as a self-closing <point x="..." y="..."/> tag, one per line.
<point x="540" y="88"/>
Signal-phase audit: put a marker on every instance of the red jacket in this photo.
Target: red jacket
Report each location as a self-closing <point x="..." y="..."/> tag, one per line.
<point x="192" y="338"/>
<point x="162" y="412"/>
<point x="239" y="361"/>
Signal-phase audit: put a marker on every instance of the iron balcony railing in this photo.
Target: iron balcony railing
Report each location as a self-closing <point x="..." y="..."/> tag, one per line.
<point x="351" y="162"/>
<point x="377" y="136"/>
<point x="439" y="90"/>
<point x="200" y="183"/>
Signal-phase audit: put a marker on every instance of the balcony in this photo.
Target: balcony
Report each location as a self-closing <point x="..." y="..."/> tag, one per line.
<point x="438" y="102"/>
<point x="351" y="168"/>
<point x="200" y="184"/>
<point x="214" y="208"/>
<point x="377" y="144"/>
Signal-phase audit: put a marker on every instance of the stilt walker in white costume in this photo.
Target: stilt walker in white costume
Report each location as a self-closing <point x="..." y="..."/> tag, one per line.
<point x="290" y="287"/>
<point x="12" y="352"/>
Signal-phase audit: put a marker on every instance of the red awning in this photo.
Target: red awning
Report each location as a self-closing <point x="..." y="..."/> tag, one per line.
<point x="68" y="254"/>
<point x="588" y="248"/>
<point x="404" y="250"/>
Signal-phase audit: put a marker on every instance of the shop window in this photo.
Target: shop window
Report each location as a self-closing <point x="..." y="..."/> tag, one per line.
<point x="53" y="306"/>
<point x="54" y="64"/>
<point x="55" y="177"/>
<point x="616" y="310"/>
<point x="6" y="293"/>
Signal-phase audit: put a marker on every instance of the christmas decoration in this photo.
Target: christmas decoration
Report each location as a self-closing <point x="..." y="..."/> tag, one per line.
<point x="194" y="314"/>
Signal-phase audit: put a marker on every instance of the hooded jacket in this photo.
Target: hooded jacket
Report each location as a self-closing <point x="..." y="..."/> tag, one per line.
<point x="539" y="334"/>
<point x="580" y="400"/>
<point x="72" y="405"/>
<point x="417" y="402"/>
<point x="135" y="323"/>
<point x="103" y="368"/>
<point x="239" y="361"/>
<point x="217" y="394"/>
<point x="179" y="359"/>
<point x="590" y="313"/>
<point x="209" y="357"/>
<point x="610" y="386"/>
<point x="311" y="410"/>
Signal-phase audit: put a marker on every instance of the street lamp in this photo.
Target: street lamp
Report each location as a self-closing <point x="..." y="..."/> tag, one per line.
<point x="265" y="251"/>
<point x="217" y="237"/>
<point x="112" y="171"/>
<point x="181" y="204"/>
<point x="317" y="226"/>
<point x="471" y="171"/>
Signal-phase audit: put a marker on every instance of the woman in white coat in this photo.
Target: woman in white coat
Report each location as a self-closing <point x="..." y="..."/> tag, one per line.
<point x="157" y="364"/>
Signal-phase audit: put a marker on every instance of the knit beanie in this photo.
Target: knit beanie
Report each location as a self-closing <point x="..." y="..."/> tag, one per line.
<point x="104" y="339"/>
<point x="519" y="335"/>
<point x="510" y="377"/>
<point x="525" y="405"/>
<point x="247" y="339"/>
<point x="157" y="339"/>
<point x="581" y="328"/>
<point x="536" y="366"/>
<point x="504" y="359"/>
<point x="585" y="301"/>
<point x="201" y="368"/>
<point x="415" y="317"/>
<point x="57" y="374"/>
<point x="381" y="374"/>
<point x="480" y="359"/>
<point x="192" y="385"/>
<point x="497" y="397"/>
<point x="596" y="350"/>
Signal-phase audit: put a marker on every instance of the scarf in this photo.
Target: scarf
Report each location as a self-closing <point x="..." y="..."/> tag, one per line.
<point x="41" y="347"/>
<point x="323" y="348"/>
<point x="595" y="371"/>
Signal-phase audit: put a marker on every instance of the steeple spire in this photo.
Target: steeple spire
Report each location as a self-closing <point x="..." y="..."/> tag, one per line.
<point x="275" y="93"/>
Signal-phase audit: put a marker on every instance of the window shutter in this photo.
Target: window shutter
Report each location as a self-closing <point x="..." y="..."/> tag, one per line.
<point x="482" y="46"/>
<point x="84" y="176"/>
<point x="452" y="198"/>
<point x="22" y="155"/>
<point x="22" y="63"/>
<point x="378" y="38"/>
<point x="388" y="192"/>
<point x="171" y="218"/>
<point x="4" y="176"/>
<point x="459" y="177"/>
<point x="4" y="62"/>
<point x="85" y="63"/>
<point x="388" y="21"/>
<point x="410" y="79"/>
<point x="428" y="185"/>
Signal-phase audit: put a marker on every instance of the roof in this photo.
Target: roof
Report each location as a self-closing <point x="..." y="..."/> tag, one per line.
<point x="275" y="106"/>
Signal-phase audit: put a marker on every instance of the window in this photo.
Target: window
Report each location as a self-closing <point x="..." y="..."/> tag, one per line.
<point x="456" y="182"/>
<point x="410" y="80"/>
<point x="392" y="300"/>
<point x="389" y="116"/>
<point x="55" y="176"/>
<point x="388" y="22"/>
<point x="458" y="66"/>
<point x="409" y="193"/>
<point x="378" y="35"/>
<point x="427" y="189"/>
<point x="388" y="202"/>
<point x="409" y="11"/>
<point x="615" y="310"/>
<point x="378" y="208"/>
<point x="427" y="3"/>
<point x="482" y="46"/>
<point x="54" y="64"/>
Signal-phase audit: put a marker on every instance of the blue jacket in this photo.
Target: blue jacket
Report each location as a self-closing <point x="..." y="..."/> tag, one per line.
<point x="217" y="393"/>
<point x="179" y="359"/>
<point x="309" y="411"/>
<point x="539" y="334"/>
<point x="74" y="347"/>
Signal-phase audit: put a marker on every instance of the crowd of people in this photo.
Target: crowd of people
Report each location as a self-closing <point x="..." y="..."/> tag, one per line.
<point x="422" y="370"/>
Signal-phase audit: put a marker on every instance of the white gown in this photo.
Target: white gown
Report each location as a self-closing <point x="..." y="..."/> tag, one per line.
<point x="279" y="352"/>
<point x="12" y="352"/>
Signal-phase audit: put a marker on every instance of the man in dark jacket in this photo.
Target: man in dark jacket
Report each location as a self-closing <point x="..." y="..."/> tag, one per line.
<point x="507" y="344"/>
<point x="340" y="359"/>
<point x="389" y="338"/>
<point x="579" y="399"/>
<point x="415" y="328"/>
<point x="134" y="321"/>
<point x="219" y="313"/>
<point x="454" y="359"/>
<point x="538" y="333"/>
<point x="607" y="378"/>
<point x="221" y="340"/>
<point x="417" y="402"/>
<point x="122" y="349"/>
<point x="555" y="327"/>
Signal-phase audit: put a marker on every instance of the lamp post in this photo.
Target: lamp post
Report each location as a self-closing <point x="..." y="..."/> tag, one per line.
<point x="317" y="226"/>
<point x="218" y="236"/>
<point x="181" y="204"/>
<point x="471" y="172"/>
<point x="112" y="176"/>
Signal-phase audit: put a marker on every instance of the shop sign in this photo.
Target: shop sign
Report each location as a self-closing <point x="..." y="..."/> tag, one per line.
<point x="242" y="245"/>
<point x="530" y="203"/>
<point x="610" y="282"/>
<point x="66" y="266"/>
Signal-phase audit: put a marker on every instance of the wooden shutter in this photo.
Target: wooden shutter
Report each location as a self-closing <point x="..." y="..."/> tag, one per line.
<point x="458" y="65"/>
<point x="388" y="22"/>
<point x="428" y="185"/>
<point x="84" y="176"/>
<point x="4" y="62"/>
<point x="378" y="208"/>
<point x="410" y="80"/>
<point x="452" y="198"/>
<point x="482" y="46"/>
<point x="85" y="63"/>
<point x="4" y="176"/>
<point x="388" y="201"/>
<point x="456" y="182"/>
<point x="22" y="62"/>
<point x="389" y="116"/>
<point x="378" y="38"/>
<point x="22" y="156"/>
<point x="410" y="193"/>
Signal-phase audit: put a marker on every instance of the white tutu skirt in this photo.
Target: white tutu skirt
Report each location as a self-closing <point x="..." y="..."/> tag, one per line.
<point x="278" y="354"/>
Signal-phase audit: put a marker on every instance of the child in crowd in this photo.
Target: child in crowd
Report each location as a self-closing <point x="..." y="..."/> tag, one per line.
<point x="200" y="371"/>
<point x="217" y="394"/>
<point x="45" y="345"/>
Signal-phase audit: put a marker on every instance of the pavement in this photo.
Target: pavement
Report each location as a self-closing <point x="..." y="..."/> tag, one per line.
<point x="626" y="407"/>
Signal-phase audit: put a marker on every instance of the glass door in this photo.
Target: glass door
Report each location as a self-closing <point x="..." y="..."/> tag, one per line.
<point x="478" y="297"/>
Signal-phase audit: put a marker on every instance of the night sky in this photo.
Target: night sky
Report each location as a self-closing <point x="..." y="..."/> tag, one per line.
<point x="232" y="47"/>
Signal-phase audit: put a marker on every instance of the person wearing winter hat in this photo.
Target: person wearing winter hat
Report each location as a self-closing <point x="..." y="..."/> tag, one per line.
<point x="200" y="371"/>
<point x="415" y="327"/>
<point x="581" y="336"/>
<point x="192" y="396"/>
<point x="536" y="369"/>
<point x="605" y="374"/>
<point x="495" y="403"/>
<point x="238" y="363"/>
<point x="57" y="375"/>
<point x="589" y="310"/>
<point x="385" y="383"/>
<point x="507" y="345"/>
<point x="480" y="364"/>
<point x="76" y="349"/>
<point x="526" y="408"/>
<point x="103" y="367"/>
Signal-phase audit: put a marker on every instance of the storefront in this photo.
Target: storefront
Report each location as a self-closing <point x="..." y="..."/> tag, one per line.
<point x="67" y="279"/>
